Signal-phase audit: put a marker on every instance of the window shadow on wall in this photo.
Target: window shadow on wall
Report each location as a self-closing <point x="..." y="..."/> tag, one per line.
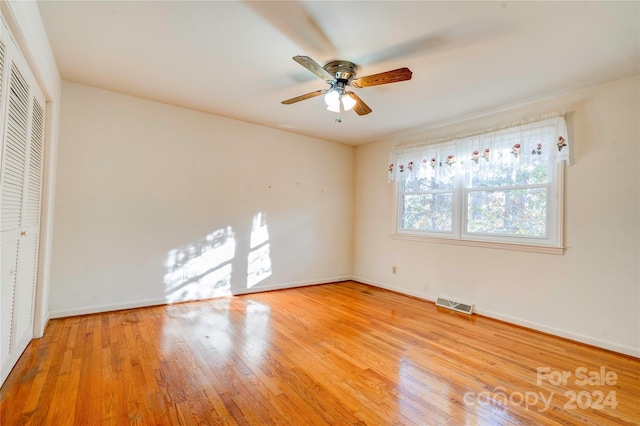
<point x="204" y="268"/>
<point x="201" y="269"/>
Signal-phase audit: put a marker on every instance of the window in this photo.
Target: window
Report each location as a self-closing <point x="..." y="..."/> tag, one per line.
<point x="502" y="186"/>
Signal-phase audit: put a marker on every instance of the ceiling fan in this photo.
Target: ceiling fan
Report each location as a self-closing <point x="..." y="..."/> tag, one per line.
<point x="340" y="75"/>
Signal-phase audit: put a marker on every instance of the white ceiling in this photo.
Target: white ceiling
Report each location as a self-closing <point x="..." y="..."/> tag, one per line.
<point x="233" y="58"/>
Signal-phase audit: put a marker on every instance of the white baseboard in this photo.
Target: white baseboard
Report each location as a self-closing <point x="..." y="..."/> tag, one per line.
<point x="604" y="344"/>
<point x="578" y="337"/>
<point x="394" y="288"/>
<point x="38" y="333"/>
<point x="291" y="285"/>
<point x="85" y="310"/>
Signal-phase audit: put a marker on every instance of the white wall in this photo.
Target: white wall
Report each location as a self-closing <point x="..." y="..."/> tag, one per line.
<point x="142" y="183"/>
<point x="591" y="293"/>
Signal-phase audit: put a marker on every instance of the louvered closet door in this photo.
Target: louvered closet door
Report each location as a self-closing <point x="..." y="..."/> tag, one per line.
<point x="29" y="232"/>
<point x="22" y="111"/>
<point x="8" y="251"/>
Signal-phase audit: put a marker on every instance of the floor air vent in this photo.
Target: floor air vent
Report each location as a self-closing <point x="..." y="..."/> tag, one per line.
<point x="456" y="306"/>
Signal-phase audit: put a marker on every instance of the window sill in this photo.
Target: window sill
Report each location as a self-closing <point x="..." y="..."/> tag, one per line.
<point x="486" y="244"/>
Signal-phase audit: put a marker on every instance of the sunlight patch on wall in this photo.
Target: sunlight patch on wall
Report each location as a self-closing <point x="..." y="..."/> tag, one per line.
<point x="259" y="258"/>
<point x="259" y="231"/>
<point x="258" y="265"/>
<point x="202" y="269"/>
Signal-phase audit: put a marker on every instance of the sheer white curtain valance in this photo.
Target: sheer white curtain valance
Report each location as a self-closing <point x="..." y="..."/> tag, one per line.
<point x="533" y="142"/>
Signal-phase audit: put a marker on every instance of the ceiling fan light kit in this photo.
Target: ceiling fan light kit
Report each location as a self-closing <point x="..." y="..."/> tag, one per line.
<point x="337" y="97"/>
<point x="332" y="99"/>
<point x="340" y="75"/>
<point x="348" y="102"/>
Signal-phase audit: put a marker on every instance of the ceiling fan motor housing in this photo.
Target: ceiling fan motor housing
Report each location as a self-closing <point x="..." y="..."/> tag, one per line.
<point x="343" y="71"/>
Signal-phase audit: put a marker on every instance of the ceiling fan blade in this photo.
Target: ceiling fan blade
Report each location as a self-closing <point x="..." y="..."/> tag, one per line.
<point x="315" y="68"/>
<point x="360" y="107"/>
<point x="465" y="34"/>
<point x="294" y="21"/>
<point x="304" y="97"/>
<point x="401" y="74"/>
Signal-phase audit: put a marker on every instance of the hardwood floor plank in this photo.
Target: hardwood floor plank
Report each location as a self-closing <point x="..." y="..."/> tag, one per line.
<point x="343" y="353"/>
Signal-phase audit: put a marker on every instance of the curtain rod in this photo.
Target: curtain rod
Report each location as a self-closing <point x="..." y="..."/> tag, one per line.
<point x="522" y="122"/>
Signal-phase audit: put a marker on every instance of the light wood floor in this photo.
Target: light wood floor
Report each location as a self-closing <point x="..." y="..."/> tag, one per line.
<point x="335" y="354"/>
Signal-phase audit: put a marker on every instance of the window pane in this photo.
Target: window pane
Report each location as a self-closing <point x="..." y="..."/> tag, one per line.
<point x="505" y="174"/>
<point x="521" y="212"/>
<point x="428" y="183"/>
<point x="430" y="212"/>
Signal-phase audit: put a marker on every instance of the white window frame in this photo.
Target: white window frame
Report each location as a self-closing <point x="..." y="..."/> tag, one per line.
<point x="551" y="244"/>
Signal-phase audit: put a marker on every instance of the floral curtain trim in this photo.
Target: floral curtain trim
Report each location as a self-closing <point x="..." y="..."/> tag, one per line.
<point x="535" y="142"/>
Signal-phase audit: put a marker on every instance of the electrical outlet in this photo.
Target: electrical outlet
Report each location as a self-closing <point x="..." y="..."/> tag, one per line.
<point x="394" y="269"/>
